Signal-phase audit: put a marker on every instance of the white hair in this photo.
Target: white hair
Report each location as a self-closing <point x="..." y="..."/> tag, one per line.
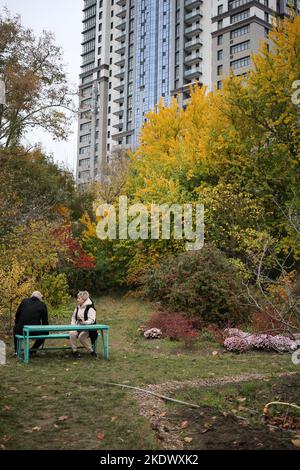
<point x="83" y="295"/>
<point x="37" y="294"/>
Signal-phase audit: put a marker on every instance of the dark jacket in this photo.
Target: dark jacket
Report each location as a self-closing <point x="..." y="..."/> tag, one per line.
<point x="31" y="312"/>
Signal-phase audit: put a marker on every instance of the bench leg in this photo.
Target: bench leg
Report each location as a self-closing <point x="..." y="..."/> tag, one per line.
<point x="26" y="349"/>
<point x="95" y="345"/>
<point x="102" y="343"/>
<point x="107" y="345"/>
<point x="19" y="348"/>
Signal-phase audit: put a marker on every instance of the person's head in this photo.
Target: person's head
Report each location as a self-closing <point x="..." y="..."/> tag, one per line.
<point x="37" y="295"/>
<point x="82" y="297"/>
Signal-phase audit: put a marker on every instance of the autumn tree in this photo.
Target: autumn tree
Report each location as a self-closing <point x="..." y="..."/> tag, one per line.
<point x="35" y="188"/>
<point x="38" y="94"/>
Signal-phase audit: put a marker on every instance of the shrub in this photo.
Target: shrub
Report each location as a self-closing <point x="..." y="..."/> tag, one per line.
<point x="214" y="332"/>
<point x="153" y="333"/>
<point x="84" y="279"/>
<point x="239" y="341"/>
<point x="236" y="344"/>
<point x="202" y="283"/>
<point x="175" y="326"/>
<point x="55" y="289"/>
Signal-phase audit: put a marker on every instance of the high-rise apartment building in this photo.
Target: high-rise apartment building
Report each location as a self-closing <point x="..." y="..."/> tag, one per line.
<point x="136" y="52"/>
<point x="237" y="31"/>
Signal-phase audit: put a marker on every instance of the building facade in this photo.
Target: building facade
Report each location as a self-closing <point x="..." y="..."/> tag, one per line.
<point x="238" y="27"/>
<point x="136" y="52"/>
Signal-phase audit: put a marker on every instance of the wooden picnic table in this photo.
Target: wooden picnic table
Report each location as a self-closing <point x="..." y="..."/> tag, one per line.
<point x="51" y="332"/>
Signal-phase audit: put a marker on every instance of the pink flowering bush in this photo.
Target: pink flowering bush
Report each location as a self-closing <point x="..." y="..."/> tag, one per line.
<point x="239" y="341"/>
<point x="282" y="344"/>
<point x="261" y="341"/>
<point x="236" y="344"/>
<point x="153" y="333"/>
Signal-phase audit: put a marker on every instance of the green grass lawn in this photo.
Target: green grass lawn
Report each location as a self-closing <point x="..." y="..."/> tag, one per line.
<point x="58" y="403"/>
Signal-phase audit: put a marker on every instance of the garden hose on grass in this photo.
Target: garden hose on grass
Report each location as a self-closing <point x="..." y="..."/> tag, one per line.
<point x="281" y="403"/>
<point x="162" y="397"/>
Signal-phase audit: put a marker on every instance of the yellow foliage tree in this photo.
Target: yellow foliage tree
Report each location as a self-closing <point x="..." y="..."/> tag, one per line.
<point x="15" y="285"/>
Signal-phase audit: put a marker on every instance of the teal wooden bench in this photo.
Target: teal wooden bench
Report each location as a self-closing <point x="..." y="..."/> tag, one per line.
<point x="23" y="353"/>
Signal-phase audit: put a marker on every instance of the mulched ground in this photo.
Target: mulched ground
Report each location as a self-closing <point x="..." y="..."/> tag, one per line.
<point x="209" y="429"/>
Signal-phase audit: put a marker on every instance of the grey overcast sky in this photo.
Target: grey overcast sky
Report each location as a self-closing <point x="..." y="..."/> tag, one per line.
<point x="63" y="18"/>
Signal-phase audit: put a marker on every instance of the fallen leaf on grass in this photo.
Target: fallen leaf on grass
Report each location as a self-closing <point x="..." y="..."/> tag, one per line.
<point x="100" y="436"/>
<point x="241" y="399"/>
<point x="7" y="408"/>
<point x="188" y="439"/>
<point x="215" y="353"/>
<point x="36" y="429"/>
<point x="114" y="418"/>
<point x="296" y="442"/>
<point x="184" y="425"/>
<point x="63" y="418"/>
<point x="205" y="430"/>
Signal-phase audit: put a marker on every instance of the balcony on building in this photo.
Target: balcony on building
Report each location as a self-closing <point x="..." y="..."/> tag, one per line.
<point x="122" y="25"/>
<point x="119" y="126"/>
<point x="121" y="61"/>
<point x="121" y="37"/>
<point x="121" y="73"/>
<point x="193" y="44"/>
<point x="120" y="99"/>
<point x="194" y="29"/>
<point x="121" y="3"/>
<point x="193" y="15"/>
<point x="120" y="111"/>
<point x="190" y="4"/>
<point x="121" y="49"/>
<point x="193" y="72"/>
<point x="122" y="13"/>
<point x="120" y="87"/>
<point x="193" y="58"/>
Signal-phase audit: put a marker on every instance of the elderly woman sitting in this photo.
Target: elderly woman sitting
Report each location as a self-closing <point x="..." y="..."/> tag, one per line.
<point x="84" y="314"/>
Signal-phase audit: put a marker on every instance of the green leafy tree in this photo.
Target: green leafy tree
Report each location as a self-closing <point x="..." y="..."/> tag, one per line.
<point x="38" y="94"/>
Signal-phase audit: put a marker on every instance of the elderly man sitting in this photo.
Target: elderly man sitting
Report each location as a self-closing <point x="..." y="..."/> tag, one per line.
<point x="31" y="311"/>
<point x="84" y="314"/>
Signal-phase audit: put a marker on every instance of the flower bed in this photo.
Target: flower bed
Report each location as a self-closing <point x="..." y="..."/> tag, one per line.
<point x="240" y="341"/>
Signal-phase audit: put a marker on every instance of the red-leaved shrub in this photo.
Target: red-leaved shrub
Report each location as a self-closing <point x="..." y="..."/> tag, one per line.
<point x="176" y="326"/>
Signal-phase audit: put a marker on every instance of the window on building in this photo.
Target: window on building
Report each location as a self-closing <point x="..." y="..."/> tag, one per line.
<point x="242" y="46"/>
<point x="237" y="64"/>
<point x="240" y="16"/>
